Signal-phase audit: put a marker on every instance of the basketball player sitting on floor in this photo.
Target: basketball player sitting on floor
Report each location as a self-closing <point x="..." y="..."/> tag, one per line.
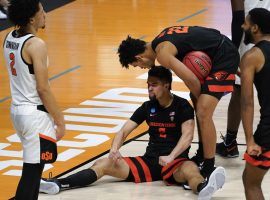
<point x="171" y="128"/>
<point x="169" y="48"/>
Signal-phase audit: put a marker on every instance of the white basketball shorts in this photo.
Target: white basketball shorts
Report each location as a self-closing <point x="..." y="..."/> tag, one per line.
<point x="35" y="128"/>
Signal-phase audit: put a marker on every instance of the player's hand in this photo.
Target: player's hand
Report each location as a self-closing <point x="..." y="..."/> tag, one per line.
<point x="60" y="131"/>
<point x="253" y="149"/>
<point x="165" y="160"/>
<point x="115" y="155"/>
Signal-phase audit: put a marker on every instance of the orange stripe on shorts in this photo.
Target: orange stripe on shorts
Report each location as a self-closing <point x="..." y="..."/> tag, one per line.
<point x="266" y="154"/>
<point x="133" y="169"/>
<point x="176" y="163"/>
<point x="47" y="138"/>
<point x="231" y="77"/>
<point x="146" y="170"/>
<point x="220" y="88"/>
<point x="255" y="162"/>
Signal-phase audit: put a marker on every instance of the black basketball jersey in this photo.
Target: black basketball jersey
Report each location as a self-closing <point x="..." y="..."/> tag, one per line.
<point x="164" y="124"/>
<point x="262" y="81"/>
<point x="191" y="38"/>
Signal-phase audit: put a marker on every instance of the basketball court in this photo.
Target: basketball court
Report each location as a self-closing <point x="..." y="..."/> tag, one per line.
<point x="97" y="95"/>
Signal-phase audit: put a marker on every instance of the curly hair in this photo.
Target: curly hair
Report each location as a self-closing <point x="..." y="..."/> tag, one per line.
<point x="162" y="73"/>
<point x="20" y="11"/>
<point x="130" y="48"/>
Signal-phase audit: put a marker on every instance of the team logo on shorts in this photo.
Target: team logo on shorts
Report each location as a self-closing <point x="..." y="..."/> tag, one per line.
<point x="220" y="76"/>
<point x="46" y="156"/>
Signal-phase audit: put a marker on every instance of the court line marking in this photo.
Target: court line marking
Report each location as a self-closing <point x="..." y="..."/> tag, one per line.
<point x="143" y="140"/>
<point x="52" y="78"/>
<point x="192" y="15"/>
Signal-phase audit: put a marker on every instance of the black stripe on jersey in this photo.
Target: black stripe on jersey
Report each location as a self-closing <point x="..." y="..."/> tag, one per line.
<point x="139" y="168"/>
<point x="42" y="108"/>
<point x="30" y="66"/>
<point x="15" y="34"/>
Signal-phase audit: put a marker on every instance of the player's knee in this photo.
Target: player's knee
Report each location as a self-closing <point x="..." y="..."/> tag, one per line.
<point x="189" y="168"/>
<point x="103" y="163"/>
<point x="249" y="181"/>
<point x="203" y="114"/>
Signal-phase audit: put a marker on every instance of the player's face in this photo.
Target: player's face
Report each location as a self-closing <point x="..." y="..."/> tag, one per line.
<point x="156" y="88"/>
<point x="247" y="30"/>
<point x="140" y="64"/>
<point x="40" y="17"/>
<point x="143" y="62"/>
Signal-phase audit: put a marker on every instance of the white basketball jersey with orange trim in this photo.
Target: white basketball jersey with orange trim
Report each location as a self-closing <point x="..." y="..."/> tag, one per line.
<point x="21" y="74"/>
<point x="249" y="5"/>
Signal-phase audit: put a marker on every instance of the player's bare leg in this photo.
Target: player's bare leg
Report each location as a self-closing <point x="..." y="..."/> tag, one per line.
<point x="252" y="180"/>
<point x="206" y="106"/>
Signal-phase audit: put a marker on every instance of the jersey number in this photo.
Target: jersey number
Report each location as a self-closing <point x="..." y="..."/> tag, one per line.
<point x="162" y="132"/>
<point x="12" y="63"/>
<point x="174" y="29"/>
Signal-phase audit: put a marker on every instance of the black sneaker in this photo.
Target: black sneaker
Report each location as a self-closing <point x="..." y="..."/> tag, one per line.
<point x="227" y="151"/>
<point x="198" y="158"/>
<point x="211" y="184"/>
<point x="49" y="186"/>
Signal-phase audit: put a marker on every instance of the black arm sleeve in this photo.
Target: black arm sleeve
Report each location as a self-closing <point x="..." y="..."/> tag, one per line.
<point x="238" y="18"/>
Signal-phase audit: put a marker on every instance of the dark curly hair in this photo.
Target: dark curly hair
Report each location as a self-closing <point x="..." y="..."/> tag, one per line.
<point x="130" y="48"/>
<point x="20" y="11"/>
<point x="162" y="73"/>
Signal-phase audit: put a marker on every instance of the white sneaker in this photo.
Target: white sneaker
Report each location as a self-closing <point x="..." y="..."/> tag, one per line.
<point x="3" y="15"/>
<point x="212" y="183"/>
<point x="49" y="186"/>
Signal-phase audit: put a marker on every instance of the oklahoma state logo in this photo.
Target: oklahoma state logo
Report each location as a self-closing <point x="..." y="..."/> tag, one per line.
<point x="46" y="156"/>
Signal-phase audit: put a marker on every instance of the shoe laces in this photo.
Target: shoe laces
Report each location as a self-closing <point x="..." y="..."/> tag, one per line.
<point x="222" y="136"/>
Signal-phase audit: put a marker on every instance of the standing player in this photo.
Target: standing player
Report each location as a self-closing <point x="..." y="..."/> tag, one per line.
<point x="255" y="68"/>
<point x="228" y="148"/>
<point x="34" y="110"/>
<point x="169" y="48"/>
<point x="171" y="129"/>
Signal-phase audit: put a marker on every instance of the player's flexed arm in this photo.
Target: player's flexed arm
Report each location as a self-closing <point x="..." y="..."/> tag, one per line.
<point x="166" y="52"/>
<point x="183" y="143"/>
<point x="120" y="137"/>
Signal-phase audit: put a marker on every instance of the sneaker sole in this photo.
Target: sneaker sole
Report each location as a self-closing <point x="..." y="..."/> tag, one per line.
<point x="227" y="156"/>
<point x="216" y="181"/>
<point x="48" y="187"/>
